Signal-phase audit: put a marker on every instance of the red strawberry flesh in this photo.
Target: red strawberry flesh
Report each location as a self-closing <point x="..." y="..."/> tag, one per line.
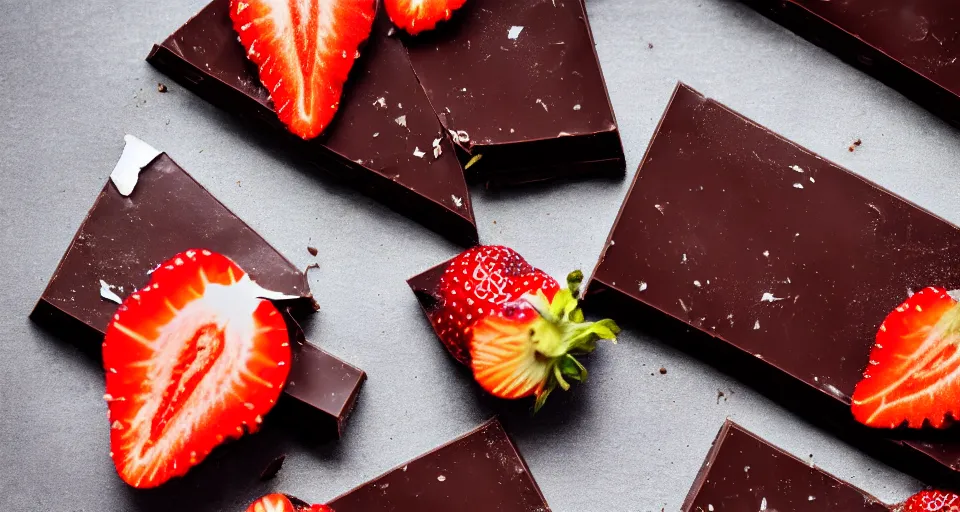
<point x="417" y="16"/>
<point x="282" y="503"/>
<point x="304" y="50"/>
<point x="931" y="501"/>
<point x="192" y="359"/>
<point x="913" y="375"/>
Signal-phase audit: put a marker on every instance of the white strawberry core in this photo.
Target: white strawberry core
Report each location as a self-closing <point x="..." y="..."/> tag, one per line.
<point x="220" y="320"/>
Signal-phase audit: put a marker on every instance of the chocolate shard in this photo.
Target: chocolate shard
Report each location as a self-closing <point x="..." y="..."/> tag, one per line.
<point x="783" y="262"/>
<point x="479" y="472"/>
<point x="744" y="472"/>
<point x="912" y="46"/>
<point x="382" y="141"/>
<point x="123" y="238"/>
<point x="519" y="82"/>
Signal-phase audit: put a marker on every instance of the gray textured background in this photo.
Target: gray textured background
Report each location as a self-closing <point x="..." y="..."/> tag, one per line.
<point x="73" y="81"/>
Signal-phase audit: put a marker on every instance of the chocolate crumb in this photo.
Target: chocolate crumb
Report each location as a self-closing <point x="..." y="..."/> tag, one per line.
<point x="857" y="142"/>
<point x="272" y="469"/>
<point x="161" y="87"/>
<point x="720" y="395"/>
<point x="650" y="46"/>
<point x="663" y="371"/>
<point x="312" y="250"/>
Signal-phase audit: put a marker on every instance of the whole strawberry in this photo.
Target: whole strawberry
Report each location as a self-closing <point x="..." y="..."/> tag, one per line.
<point x="931" y="501"/>
<point x="513" y="324"/>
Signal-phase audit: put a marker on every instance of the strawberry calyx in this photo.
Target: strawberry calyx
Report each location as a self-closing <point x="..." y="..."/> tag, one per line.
<point x="530" y="349"/>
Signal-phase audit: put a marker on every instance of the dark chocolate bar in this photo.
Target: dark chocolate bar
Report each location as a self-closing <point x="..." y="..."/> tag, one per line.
<point x="912" y="45"/>
<point x="744" y="472"/>
<point x="382" y="140"/>
<point x="124" y="238"/>
<point x="479" y="472"/>
<point x="518" y="81"/>
<point x="785" y="262"/>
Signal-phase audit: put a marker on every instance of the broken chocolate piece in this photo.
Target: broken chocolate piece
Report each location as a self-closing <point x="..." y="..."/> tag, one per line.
<point x="912" y="46"/>
<point x="382" y="140"/>
<point x="479" y="472"/>
<point x="123" y="239"/>
<point x="744" y="472"/>
<point x="784" y="262"/>
<point x="518" y="81"/>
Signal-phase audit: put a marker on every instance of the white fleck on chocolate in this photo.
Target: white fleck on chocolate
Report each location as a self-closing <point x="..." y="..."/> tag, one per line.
<point x="684" y="306"/>
<point x="417" y="153"/>
<point x="643" y="285"/>
<point x="542" y="104"/>
<point x="514" y="32"/>
<point x="659" y="208"/>
<point x="106" y="292"/>
<point x="458" y="201"/>
<point x="766" y="254"/>
<point x="437" y="150"/>
<point x="136" y="155"/>
<point x="577" y="107"/>
<point x="696" y="283"/>
<point x="441" y="478"/>
<point x="796" y="168"/>
<point x="768" y="297"/>
<point x="756" y="325"/>
<point x="391" y="31"/>
<point x="402" y="121"/>
<point x="462" y="136"/>
<point x="798" y="185"/>
<point x="380" y="103"/>
<point x="376" y="134"/>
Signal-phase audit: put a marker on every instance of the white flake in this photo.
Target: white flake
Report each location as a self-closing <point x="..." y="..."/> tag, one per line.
<point x="577" y="107"/>
<point x="696" y="283"/>
<point x="542" y="104"/>
<point x="643" y="285"/>
<point x="417" y="153"/>
<point x="437" y="150"/>
<point x="659" y="207"/>
<point x="380" y="103"/>
<point x="402" y="121"/>
<point x="812" y="180"/>
<point x="756" y="325"/>
<point x="766" y="253"/>
<point x="136" y="155"/>
<point x="107" y="293"/>
<point x="763" y="504"/>
<point x="768" y="297"/>
<point x="514" y="32"/>
<point x="796" y="168"/>
<point x="798" y="185"/>
<point x="458" y="201"/>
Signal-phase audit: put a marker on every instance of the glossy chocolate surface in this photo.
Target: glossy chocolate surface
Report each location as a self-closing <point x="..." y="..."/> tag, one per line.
<point x="913" y="45"/>
<point x="383" y="119"/>
<point x="479" y="472"/>
<point x="744" y="473"/>
<point x="123" y="238"/>
<point x="521" y="80"/>
<point x="789" y="261"/>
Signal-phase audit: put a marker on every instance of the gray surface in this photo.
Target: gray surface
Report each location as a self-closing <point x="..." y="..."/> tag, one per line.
<point x="73" y="81"/>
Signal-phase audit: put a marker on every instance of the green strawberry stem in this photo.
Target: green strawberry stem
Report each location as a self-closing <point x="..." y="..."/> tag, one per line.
<point x="560" y="333"/>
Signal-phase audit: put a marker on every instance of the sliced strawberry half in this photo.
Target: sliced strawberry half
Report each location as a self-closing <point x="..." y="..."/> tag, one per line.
<point x="283" y="503"/>
<point x="194" y="358"/>
<point x="417" y="16"/>
<point x="913" y="376"/>
<point x="931" y="501"/>
<point x="529" y="347"/>
<point x="304" y="50"/>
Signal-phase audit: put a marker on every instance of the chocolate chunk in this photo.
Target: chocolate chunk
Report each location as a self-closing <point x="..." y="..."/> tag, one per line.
<point x="784" y="262"/>
<point x="123" y="239"/>
<point x="479" y="472"/>
<point x="912" y="46"/>
<point x="519" y="82"/>
<point x="367" y="145"/>
<point x="744" y="472"/>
